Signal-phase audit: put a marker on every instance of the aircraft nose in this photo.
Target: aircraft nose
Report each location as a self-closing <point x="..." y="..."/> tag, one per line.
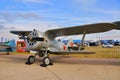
<point x="35" y="39"/>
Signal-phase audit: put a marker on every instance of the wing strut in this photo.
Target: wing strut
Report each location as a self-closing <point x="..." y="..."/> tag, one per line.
<point x="82" y="42"/>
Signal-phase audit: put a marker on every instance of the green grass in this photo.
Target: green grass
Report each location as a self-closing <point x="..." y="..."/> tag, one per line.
<point x="27" y="53"/>
<point x="99" y="52"/>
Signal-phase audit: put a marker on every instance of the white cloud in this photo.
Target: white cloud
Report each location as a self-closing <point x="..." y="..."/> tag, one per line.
<point x="85" y="2"/>
<point x="4" y="27"/>
<point x="30" y="25"/>
<point x="8" y="35"/>
<point x="113" y="13"/>
<point x="40" y="1"/>
<point x="27" y="15"/>
<point x="11" y="17"/>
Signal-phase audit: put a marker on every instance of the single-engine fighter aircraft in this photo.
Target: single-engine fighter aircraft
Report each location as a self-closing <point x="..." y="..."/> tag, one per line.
<point x="45" y="43"/>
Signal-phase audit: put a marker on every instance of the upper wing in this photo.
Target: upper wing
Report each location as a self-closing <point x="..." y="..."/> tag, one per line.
<point x="24" y="33"/>
<point x="91" y="28"/>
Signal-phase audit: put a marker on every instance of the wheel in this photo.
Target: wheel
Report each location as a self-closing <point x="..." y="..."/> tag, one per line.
<point x="46" y="62"/>
<point x="31" y="59"/>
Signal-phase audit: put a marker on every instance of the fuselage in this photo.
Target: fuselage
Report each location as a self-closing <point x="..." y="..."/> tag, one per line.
<point x="37" y="41"/>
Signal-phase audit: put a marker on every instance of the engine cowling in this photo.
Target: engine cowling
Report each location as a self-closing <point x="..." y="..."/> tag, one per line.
<point x="36" y="40"/>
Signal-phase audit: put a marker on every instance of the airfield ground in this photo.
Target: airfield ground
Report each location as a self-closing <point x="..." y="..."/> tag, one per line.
<point x="12" y="67"/>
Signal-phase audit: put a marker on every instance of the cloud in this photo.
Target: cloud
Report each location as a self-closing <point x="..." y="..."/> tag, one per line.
<point x="1" y="22"/>
<point x="3" y="27"/>
<point x="85" y="1"/>
<point x="6" y="16"/>
<point x="27" y="15"/>
<point x="35" y="1"/>
<point x="7" y="35"/>
<point x="30" y="25"/>
<point x="83" y="4"/>
<point x="109" y="12"/>
<point x="96" y="6"/>
<point x="11" y="17"/>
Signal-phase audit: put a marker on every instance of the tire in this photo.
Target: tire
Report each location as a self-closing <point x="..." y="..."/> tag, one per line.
<point x="31" y="59"/>
<point x="46" y="61"/>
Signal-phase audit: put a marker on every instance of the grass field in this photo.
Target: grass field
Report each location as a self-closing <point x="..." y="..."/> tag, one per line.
<point x="99" y="52"/>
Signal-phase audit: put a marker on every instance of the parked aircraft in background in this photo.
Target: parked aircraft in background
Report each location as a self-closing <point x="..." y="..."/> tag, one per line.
<point x="45" y="43"/>
<point x="7" y="46"/>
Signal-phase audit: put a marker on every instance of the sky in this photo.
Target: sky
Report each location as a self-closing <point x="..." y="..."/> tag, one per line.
<point x="51" y="14"/>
